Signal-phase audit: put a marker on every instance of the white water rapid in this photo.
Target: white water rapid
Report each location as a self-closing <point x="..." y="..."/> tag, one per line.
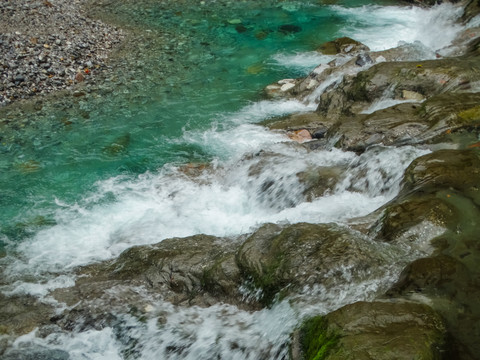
<point x="252" y="180"/>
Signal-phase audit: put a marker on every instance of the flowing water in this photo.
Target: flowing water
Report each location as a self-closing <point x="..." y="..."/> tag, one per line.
<point x="84" y="178"/>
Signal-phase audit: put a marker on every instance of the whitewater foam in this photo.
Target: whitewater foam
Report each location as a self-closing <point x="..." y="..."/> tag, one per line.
<point x="303" y="61"/>
<point x="234" y="198"/>
<point x="384" y="27"/>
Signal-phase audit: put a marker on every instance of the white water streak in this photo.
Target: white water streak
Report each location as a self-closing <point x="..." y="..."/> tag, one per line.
<point x="383" y="28"/>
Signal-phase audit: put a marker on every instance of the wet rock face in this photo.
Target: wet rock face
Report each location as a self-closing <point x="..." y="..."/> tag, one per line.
<point x="21" y="314"/>
<point x="425" y="78"/>
<point x="452" y="290"/>
<point x="441" y="190"/>
<point x="344" y="45"/>
<point x="198" y="270"/>
<point x="402" y="216"/>
<point x="203" y="270"/>
<point x="427" y="274"/>
<point x="408" y="123"/>
<point x="285" y="260"/>
<point x="377" y="330"/>
<point x="455" y="170"/>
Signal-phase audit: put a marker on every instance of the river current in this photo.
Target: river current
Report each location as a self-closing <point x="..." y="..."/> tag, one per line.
<point x="92" y="176"/>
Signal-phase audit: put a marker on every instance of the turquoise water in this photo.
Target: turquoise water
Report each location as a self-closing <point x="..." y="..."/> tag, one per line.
<point x="85" y="176"/>
<point x="220" y="57"/>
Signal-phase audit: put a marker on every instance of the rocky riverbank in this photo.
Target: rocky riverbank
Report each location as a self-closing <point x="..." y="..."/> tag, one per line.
<point x="50" y="46"/>
<point x="429" y="230"/>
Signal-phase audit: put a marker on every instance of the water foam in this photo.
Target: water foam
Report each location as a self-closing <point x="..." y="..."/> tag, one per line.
<point x="385" y="103"/>
<point x="304" y="62"/>
<point x="384" y="27"/>
<point x="229" y="199"/>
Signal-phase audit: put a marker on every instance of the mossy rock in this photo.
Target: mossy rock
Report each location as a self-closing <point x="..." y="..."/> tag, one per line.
<point x="282" y="260"/>
<point x="375" y="330"/>
<point x="315" y="340"/>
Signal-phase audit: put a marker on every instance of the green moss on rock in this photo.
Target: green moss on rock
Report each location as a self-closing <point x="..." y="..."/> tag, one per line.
<point x="316" y="340"/>
<point x="470" y="115"/>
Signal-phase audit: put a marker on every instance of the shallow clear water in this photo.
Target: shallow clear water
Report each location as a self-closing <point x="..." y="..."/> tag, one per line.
<point x="86" y="177"/>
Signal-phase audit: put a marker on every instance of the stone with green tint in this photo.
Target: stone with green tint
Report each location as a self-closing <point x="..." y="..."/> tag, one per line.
<point x="344" y="45"/>
<point x="316" y="340"/>
<point x="456" y="170"/>
<point x="284" y="260"/>
<point x="403" y="214"/>
<point x="375" y="330"/>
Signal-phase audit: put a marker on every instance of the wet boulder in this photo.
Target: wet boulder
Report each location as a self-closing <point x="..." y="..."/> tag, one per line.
<point x="20" y="314"/>
<point x="197" y="270"/>
<point x="311" y="121"/>
<point x="452" y="170"/>
<point x="438" y="196"/>
<point x="373" y="330"/>
<point x="432" y="274"/>
<point x="397" y="125"/>
<point x="427" y="78"/>
<point x="344" y="45"/>
<point x="449" y="283"/>
<point x="319" y="181"/>
<point x="281" y="261"/>
<point x="36" y="354"/>
<point x="281" y="88"/>
<point x="408" y="123"/>
<point x="416" y="217"/>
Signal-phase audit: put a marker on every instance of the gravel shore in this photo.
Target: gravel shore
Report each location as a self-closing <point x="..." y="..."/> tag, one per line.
<point x="50" y="45"/>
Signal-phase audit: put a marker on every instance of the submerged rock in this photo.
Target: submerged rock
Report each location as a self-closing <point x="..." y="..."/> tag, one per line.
<point x="118" y="146"/>
<point x="289" y="29"/>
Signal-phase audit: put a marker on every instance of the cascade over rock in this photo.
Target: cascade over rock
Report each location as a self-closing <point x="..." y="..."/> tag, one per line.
<point x="430" y="229"/>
